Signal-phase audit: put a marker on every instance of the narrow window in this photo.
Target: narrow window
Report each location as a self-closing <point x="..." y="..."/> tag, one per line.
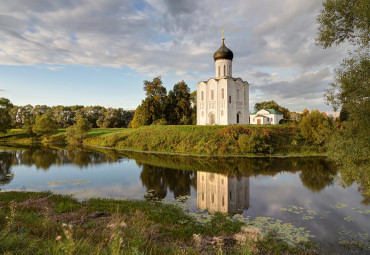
<point x="223" y="201"/>
<point x="229" y="99"/>
<point x="212" y="95"/>
<point x="222" y="93"/>
<point x="222" y="114"/>
<point x="237" y="94"/>
<point x="229" y="70"/>
<point x="202" y="196"/>
<point x="202" y="113"/>
<point x="202" y="96"/>
<point x="219" y="71"/>
<point x="230" y="195"/>
<point x="213" y="198"/>
<point x="245" y="95"/>
<point x="224" y="70"/>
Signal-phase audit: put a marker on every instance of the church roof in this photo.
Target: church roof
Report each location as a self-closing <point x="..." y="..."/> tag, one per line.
<point x="223" y="52"/>
<point x="271" y="111"/>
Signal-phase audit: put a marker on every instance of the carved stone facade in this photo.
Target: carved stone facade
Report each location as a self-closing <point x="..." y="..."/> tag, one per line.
<point x="223" y="100"/>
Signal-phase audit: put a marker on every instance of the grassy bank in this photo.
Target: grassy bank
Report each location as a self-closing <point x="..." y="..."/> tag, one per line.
<point x="201" y="140"/>
<point x="44" y="223"/>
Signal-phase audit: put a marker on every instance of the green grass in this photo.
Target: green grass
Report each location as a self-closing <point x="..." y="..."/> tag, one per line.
<point x="195" y="140"/>
<point x="32" y="223"/>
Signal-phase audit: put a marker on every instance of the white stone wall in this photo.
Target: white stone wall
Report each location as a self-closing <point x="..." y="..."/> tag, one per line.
<point x="223" y="68"/>
<point x="213" y="102"/>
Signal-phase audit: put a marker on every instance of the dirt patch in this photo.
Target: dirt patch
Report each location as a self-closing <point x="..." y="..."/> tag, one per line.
<point x="39" y="204"/>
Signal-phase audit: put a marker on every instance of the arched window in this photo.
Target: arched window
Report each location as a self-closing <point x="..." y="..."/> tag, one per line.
<point x="202" y="96"/>
<point x="245" y="94"/>
<point x="222" y="93"/>
<point x="219" y="71"/>
<point x="224" y="70"/>
<point x="237" y="94"/>
<point x="229" y="99"/>
<point x="212" y="95"/>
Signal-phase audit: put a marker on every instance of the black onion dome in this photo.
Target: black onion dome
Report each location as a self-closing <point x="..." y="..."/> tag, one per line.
<point x="223" y="53"/>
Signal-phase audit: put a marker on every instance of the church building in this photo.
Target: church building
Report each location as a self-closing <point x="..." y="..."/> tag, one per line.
<point x="223" y="100"/>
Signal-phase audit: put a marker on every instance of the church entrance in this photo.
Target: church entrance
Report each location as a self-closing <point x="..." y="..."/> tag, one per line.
<point x="258" y="122"/>
<point x="212" y="119"/>
<point x="238" y="117"/>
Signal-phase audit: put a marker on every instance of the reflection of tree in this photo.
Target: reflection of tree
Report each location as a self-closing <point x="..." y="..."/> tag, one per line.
<point x="161" y="179"/>
<point x="317" y="174"/>
<point x="6" y="160"/>
<point x="44" y="158"/>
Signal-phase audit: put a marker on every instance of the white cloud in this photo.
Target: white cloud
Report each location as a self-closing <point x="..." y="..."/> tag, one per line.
<point x="163" y="37"/>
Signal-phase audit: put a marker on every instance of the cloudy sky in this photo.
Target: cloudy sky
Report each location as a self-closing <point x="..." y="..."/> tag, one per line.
<point x="98" y="52"/>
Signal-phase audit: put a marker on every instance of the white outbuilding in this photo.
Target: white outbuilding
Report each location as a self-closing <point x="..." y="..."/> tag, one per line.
<point x="223" y="100"/>
<point x="266" y="116"/>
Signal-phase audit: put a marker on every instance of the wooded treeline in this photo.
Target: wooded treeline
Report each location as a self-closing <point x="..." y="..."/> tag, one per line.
<point x="66" y="116"/>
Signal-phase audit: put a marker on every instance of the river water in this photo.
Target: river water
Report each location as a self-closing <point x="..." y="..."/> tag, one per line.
<point x="306" y="192"/>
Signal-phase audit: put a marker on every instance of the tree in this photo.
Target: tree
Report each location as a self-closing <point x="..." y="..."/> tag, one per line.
<point x="272" y="105"/>
<point x="77" y="133"/>
<point x="344" y="20"/>
<point x="45" y="124"/>
<point x="5" y="118"/>
<point x="152" y="108"/>
<point x="349" y="21"/>
<point x="178" y="106"/>
<point x="315" y="128"/>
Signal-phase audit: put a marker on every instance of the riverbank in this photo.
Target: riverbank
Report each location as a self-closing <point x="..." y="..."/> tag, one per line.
<point x="45" y="223"/>
<point x="250" y="140"/>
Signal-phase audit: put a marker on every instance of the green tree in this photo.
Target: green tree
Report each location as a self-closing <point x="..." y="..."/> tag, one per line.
<point x="77" y="133"/>
<point x="272" y="105"/>
<point x="315" y="128"/>
<point x="349" y="21"/>
<point x="344" y="20"/>
<point x="152" y="108"/>
<point x="178" y="106"/>
<point x="5" y="118"/>
<point x="45" y="124"/>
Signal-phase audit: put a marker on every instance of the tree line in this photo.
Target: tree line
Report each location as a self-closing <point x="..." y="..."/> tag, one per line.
<point x="66" y="116"/>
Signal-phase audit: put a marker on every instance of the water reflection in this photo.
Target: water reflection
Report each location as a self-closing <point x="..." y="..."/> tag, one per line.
<point x="220" y="193"/>
<point x="158" y="179"/>
<point x="315" y="173"/>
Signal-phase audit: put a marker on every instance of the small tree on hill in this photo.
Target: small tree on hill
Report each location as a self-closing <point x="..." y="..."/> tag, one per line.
<point x="45" y="125"/>
<point x="315" y="128"/>
<point x="77" y="133"/>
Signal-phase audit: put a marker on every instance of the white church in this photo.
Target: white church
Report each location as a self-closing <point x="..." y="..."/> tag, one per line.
<point x="223" y="100"/>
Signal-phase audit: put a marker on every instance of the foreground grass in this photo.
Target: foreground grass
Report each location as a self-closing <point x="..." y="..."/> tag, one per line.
<point x="44" y="223"/>
<point x="199" y="140"/>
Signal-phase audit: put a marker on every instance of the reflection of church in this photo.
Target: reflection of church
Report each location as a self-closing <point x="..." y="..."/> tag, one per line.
<point x="220" y="193"/>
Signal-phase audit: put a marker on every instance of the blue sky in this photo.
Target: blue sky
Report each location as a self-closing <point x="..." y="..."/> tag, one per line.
<point x="99" y="52"/>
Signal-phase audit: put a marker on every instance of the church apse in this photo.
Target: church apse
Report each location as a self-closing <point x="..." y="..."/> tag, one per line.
<point x="220" y="193"/>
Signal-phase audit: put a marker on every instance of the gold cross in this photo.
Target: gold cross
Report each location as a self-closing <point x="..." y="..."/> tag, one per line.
<point x="223" y="34"/>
